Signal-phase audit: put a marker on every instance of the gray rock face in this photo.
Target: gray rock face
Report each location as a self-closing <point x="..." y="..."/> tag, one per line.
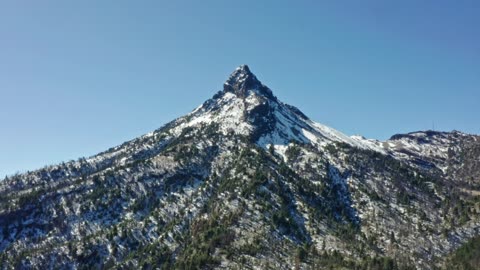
<point x="246" y="181"/>
<point x="242" y="80"/>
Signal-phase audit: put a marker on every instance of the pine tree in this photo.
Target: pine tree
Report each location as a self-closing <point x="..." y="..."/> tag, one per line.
<point x="392" y="237"/>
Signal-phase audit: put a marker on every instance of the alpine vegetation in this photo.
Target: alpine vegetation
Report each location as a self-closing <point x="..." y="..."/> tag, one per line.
<point x="246" y="181"/>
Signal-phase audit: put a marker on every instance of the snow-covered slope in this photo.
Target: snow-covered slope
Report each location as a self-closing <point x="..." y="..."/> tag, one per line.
<point x="246" y="181"/>
<point x="424" y="149"/>
<point x="248" y="107"/>
<point x="431" y="144"/>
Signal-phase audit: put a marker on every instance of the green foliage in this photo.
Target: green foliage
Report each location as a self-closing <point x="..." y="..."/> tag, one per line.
<point x="153" y="256"/>
<point x="379" y="263"/>
<point x="467" y="257"/>
<point x="184" y="152"/>
<point x="252" y="247"/>
<point x="335" y="260"/>
<point x="347" y="231"/>
<point x="461" y="210"/>
<point x="206" y="235"/>
<point x="32" y="197"/>
<point x="330" y="148"/>
<point x="302" y="252"/>
<point x="403" y="197"/>
<point x="292" y="152"/>
<point x="282" y="218"/>
<point x="392" y="237"/>
<point x="271" y="149"/>
<point x="258" y="179"/>
<point x="140" y="204"/>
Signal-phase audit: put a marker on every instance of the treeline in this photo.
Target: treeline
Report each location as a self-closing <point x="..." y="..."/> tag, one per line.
<point x="467" y="257"/>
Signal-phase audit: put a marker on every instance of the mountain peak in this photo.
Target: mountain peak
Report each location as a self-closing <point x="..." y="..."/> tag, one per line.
<point x="245" y="172"/>
<point x="241" y="73"/>
<point x="242" y="80"/>
<point x="244" y="68"/>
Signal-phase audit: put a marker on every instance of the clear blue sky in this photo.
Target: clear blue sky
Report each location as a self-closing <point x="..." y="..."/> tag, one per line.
<point x="77" y="77"/>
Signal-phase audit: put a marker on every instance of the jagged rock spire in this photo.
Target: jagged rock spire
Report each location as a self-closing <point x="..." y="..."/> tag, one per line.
<point x="241" y="80"/>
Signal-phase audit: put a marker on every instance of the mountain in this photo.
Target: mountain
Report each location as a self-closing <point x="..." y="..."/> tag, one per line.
<point x="246" y="181"/>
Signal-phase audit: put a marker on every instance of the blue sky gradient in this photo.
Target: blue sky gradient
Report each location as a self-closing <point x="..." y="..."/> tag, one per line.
<point x="77" y="77"/>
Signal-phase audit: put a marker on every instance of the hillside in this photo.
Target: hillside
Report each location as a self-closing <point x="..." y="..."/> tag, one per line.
<point x="246" y="181"/>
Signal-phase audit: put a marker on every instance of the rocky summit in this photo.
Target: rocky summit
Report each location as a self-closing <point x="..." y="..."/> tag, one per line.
<point x="246" y="181"/>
